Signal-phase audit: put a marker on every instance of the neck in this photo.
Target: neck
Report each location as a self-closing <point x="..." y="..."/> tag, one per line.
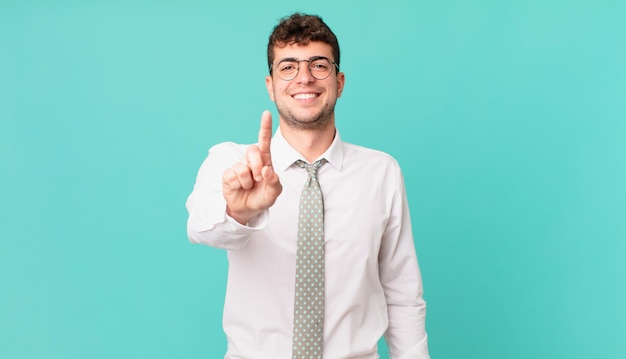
<point x="309" y="143"/>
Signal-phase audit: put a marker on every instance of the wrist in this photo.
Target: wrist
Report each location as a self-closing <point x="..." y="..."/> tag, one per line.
<point x="243" y="217"/>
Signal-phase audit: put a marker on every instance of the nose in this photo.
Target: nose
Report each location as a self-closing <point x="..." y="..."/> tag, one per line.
<point x="304" y="73"/>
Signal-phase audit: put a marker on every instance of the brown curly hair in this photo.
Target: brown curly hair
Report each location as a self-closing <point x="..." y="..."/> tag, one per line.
<point x="301" y="29"/>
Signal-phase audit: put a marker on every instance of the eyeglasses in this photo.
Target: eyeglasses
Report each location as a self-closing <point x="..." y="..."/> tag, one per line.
<point x="320" y="67"/>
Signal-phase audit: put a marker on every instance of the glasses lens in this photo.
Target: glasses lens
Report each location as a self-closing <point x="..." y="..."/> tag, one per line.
<point x="320" y="67"/>
<point x="287" y="69"/>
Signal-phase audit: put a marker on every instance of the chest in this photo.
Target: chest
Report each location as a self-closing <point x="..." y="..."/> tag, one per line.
<point x="356" y="209"/>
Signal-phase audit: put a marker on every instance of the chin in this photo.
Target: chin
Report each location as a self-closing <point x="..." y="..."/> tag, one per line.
<point x="311" y="123"/>
<point x="304" y="120"/>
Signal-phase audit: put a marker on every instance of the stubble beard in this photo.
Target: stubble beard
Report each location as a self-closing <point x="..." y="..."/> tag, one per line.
<point x="318" y="122"/>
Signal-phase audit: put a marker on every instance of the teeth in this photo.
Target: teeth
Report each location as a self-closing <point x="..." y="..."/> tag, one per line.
<point x="304" y="96"/>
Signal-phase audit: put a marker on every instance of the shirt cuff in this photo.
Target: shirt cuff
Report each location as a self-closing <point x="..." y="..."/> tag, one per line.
<point x="255" y="223"/>
<point x="419" y="351"/>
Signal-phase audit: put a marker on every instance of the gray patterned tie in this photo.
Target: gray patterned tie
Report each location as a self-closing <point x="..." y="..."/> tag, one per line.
<point x="308" y="322"/>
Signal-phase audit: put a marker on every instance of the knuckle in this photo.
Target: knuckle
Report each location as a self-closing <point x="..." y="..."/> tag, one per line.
<point x="229" y="175"/>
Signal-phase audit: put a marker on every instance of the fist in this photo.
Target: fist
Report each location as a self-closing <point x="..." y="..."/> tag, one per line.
<point x="251" y="185"/>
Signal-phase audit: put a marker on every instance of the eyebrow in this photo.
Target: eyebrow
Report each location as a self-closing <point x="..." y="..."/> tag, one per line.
<point x="287" y="59"/>
<point x="309" y="59"/>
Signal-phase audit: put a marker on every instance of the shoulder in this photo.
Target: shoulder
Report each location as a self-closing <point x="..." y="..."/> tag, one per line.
<point x="356" y="153"/>
<point x="374" y="165"/>
<point x="224" y="155"/>
<point x="228" y="149"/>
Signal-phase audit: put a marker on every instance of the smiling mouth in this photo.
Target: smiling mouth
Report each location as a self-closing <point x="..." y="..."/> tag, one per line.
<point x="305" y="96"/>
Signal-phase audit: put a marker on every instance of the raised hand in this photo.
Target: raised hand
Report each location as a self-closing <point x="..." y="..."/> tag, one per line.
<point x="251" y="186"/>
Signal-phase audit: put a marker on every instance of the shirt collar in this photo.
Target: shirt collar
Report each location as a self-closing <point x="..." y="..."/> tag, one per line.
<point x="283" y="155"/>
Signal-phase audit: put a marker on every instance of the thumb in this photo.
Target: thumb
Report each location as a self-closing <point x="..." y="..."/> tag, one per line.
<point x="274" y="187"/>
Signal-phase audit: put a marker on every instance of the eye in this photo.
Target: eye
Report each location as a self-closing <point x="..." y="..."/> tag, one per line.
<point x="320" y="65"/>
<point x="287" y="66"/>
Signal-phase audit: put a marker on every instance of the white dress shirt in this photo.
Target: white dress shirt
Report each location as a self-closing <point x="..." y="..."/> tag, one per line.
<point x="373" y="283"/>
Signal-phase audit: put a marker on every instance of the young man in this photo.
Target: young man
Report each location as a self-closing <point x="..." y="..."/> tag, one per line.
<point x="323" y="271"/>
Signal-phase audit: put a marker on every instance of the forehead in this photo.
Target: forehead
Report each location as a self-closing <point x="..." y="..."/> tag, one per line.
<point x="313" y="48"/>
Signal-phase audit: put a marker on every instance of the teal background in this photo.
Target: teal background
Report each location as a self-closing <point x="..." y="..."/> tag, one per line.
<point x="509" y="119"/>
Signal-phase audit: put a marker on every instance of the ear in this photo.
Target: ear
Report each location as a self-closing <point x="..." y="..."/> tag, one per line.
<point x="341" y="80"/>
<point x="269" y="84"/>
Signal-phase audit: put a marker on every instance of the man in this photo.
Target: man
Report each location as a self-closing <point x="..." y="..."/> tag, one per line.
<point x="329" y="282"/>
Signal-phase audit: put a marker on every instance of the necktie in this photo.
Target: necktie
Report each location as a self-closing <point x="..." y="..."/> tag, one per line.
<point x="308" y="323"/>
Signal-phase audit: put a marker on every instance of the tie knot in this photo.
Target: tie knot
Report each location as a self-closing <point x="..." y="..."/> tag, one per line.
<point x="311" y="168"/>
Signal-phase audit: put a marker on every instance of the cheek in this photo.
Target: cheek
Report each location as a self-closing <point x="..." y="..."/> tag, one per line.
<point x="277" y="93"/>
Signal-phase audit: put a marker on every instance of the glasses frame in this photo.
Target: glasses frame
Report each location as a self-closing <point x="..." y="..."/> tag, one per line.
<point x="310" y="60"/>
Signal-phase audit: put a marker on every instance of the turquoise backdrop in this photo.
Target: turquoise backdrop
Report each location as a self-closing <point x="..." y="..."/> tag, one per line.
<point x="508" y="117"/>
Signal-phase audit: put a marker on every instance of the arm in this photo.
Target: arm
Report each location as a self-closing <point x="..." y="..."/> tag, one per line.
<point x="208" y="222"/>
<point x="234" y="188"/>
<point x="401" y="279"/>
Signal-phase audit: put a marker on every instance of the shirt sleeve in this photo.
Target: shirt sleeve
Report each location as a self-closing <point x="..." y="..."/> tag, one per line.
<point x="401" y="280"/>
<point x="208" y="222"/>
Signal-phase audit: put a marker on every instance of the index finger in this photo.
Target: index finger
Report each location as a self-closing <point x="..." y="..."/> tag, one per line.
<point x="265" y="137"/>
